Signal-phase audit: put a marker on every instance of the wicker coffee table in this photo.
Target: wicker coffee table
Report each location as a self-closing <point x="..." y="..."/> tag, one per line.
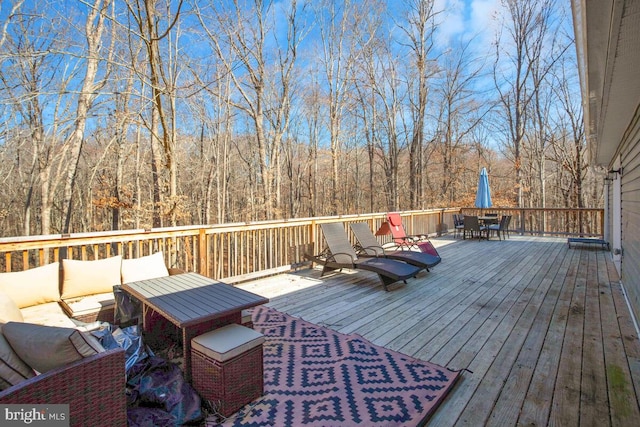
<point x="194" y="303"/>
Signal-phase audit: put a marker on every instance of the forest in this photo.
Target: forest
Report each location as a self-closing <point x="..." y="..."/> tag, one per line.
<point x="153" y="113"/>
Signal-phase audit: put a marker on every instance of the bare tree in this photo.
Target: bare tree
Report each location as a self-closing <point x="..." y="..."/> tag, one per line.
<point x="213" y="116"/>
<point x="569" y="148"/>
<point x="240" y="40"/>
<point x="101" y="102"/>
<point x="15" y="8"/>
<point x="337" y="26"/>
<point x="312" y="117"/>
<point x="368" y="112"/>
<point x="524" y="27"/>
<point x="123" y="119"/>
<point x="148" y="24"/>
<point x="460" y="113"/>
<point x="382" y="102"/>
<point x="419" y="28"/>
<point x="28" y="73"/>
<point x="93" y="32"/>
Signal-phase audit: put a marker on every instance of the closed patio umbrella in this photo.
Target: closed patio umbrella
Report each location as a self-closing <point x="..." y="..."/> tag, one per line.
<point x="483" y="195"/>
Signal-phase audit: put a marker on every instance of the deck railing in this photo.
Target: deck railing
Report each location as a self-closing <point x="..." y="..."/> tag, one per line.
<point x="242" y="251"/>
<point x="550" y="221"/>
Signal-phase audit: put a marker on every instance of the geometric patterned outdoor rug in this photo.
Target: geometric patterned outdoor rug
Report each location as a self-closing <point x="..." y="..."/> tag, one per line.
<point x="315" y="376"/>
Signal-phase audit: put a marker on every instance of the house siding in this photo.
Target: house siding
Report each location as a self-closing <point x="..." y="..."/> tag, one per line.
<point x="608" y="211"/>
<point x="630" y="204"/>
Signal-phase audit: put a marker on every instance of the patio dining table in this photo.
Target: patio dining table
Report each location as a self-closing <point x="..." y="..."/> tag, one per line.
<point x="489" y="219"/>
<point x="486" y="221"/>
<point x="193" y="303"/>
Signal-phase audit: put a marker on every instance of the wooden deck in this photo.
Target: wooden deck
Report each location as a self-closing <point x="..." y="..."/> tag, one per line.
<point x="543" y="329"/>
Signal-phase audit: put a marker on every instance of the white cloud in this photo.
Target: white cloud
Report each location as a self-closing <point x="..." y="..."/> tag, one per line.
<point x="462" y="20"/>
<point x="483" y="17"/>
<point x="450" y="20"/>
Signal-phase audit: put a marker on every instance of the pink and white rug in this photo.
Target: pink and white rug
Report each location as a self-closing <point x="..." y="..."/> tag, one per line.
<point x="315" y="376"/>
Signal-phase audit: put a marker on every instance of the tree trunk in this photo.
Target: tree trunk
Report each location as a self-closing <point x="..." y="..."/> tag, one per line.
<point x="93" y="31"/>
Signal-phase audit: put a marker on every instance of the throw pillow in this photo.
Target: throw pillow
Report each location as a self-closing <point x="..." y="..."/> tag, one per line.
<point x="49" y="347"/>
<point x="12" y="369"/>
<point x="34" y="286"/>
<point x="143" y="268"/>
<point x="82" y="278"/>
<point x="9" y="311"/>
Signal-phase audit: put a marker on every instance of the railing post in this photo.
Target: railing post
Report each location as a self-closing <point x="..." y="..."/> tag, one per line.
<point x="522" y="217"/>
<point x="312" y="232"/>
<point x="202" y="266"/>
<point x="601" y="213"/>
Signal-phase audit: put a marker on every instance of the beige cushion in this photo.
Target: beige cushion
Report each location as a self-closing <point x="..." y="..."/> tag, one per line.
<point x="227" y="342"/>
<point x="143" y="268"/>
<point x="91" y="304"/>
<point x="50" y="314"/>
<point x="32" y="287"/>
<point x="49" y="347"/>
<point x="12" y="369"/>
<point x="9" y="311"/>
<point x="82" y="278"/>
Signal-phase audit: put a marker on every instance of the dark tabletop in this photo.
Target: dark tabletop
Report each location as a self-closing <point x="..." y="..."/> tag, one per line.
<point x="191" y="298"/>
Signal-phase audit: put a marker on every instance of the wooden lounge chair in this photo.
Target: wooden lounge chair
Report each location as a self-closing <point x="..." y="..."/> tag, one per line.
<point x="340" y="254"/>
<point x="369" y="246"/>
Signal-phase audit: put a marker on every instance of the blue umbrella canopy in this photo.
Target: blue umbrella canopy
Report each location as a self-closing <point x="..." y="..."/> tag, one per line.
<point x="483" y="195"/>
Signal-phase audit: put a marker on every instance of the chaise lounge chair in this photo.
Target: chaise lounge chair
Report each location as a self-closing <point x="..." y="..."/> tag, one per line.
<point x="340" y="254"/>
<point x="369" y="246"/>
<point x="394" y="226"/>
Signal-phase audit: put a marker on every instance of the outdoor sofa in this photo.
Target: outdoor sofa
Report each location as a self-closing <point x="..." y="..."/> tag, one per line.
<point x="46" y="354"/>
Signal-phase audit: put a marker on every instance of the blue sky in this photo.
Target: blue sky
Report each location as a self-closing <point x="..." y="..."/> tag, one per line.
<point x="467" y="19"/>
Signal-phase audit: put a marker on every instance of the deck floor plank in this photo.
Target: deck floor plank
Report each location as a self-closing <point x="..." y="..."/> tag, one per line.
<point x="537" y="404"/>
<point x="540" y="310"/>
<point x="413" y="300"/>
<point x="594" y="381"/>
<point x="473" y="318"/>
<point x="622" y="398"/>
<point x="479" y="304"/>
<point x="565" y="407"/>
<point x="542" y="329"/>
<point x="514" y="332"/>
<point x="628" y="333"/>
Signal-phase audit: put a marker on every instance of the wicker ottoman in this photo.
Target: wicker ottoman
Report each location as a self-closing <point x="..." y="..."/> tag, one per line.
<point x="226" y="367"/>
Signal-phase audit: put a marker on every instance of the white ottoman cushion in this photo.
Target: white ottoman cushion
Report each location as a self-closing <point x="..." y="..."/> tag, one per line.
<point x="225" y="343"/>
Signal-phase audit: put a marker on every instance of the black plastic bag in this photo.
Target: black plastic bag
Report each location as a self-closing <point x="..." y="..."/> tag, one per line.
<point x="128" y="310"/>
<point x="149" y="417"/>
<point x="157" y="383"/>
<point x="128" y="338"/>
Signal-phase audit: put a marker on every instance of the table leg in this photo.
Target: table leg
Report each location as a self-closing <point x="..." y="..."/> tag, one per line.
<point x="186" y="353"/>
<point x="145" y="322"/>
